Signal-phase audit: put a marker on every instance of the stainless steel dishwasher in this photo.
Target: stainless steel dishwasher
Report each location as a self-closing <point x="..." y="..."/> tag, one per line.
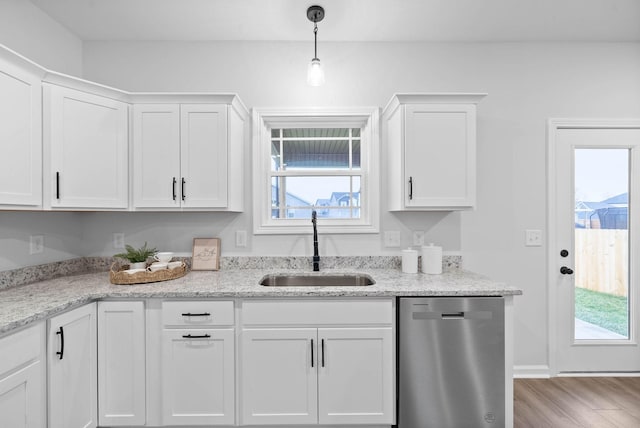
<point x="451" y="362"/>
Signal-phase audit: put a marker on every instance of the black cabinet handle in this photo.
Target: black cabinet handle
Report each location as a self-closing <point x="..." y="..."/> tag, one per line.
<point x="57" y="184"/>
<point x="173" y="188"/>
<point x="564" y="253"/>
<point x="322" y="347"/>
<point x="311" y="352"/>
<point x="183" y="183"/>
<point x="410" y="188"/>
<point x="201" y="336"/>
<point x="203" y="314"/>
<point x="566" y="271"/>
<point x="61" y="351"/>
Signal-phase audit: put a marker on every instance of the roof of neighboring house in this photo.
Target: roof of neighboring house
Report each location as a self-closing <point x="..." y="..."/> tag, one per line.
<point x="618" y="200"/>
<point x="621" y="199"/>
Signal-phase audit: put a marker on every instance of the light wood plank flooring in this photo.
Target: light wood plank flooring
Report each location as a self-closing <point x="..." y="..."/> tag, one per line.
<point x="572" y="402"/>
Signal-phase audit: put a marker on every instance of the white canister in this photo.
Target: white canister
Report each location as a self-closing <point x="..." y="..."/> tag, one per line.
<point x="409" y="261"/>
<point x="432" y="259"/>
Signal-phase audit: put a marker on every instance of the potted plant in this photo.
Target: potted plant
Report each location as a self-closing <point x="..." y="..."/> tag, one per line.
<point x="137" y="257"/>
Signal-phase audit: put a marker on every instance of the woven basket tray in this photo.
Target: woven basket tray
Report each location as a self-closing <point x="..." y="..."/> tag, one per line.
<point x="118" y="276"/>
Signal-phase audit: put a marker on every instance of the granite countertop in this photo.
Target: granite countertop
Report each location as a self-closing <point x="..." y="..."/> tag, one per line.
<point x="25" y="304"/>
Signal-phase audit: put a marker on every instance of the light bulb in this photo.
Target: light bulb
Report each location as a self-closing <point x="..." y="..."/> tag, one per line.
<point x="315" y="73"/>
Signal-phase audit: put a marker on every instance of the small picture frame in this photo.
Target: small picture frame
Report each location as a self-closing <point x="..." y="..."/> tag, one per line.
<point x="206" y="254"/>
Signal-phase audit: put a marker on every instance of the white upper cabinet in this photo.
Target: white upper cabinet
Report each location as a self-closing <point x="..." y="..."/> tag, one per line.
<point x="86" y="148"/>
<point x="431" y="151"/>
<point x="20" y="133"/>
<point x="156" y="155"/>
<point x="189" y="155"/>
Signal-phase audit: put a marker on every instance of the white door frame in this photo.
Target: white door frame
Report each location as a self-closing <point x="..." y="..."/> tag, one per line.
<point x="552" y="258"/>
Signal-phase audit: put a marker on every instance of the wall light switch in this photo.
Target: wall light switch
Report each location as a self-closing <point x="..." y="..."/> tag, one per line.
<point x="118" y="240"/>
<point x="241" y="238"/>
<point x="392" y="238"/>
<point x="36" y="244"/>
<point x="533" y="238"/>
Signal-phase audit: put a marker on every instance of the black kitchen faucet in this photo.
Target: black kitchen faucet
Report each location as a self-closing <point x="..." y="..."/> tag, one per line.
<point x="316" y="256"/>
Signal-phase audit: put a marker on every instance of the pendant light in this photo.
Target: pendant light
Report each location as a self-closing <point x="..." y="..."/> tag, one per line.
<point x="315" y="73"/>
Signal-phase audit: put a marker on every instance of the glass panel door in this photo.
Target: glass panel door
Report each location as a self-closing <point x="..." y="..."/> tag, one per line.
<point x="595" y="246"/>
<point x="601" y="294"/>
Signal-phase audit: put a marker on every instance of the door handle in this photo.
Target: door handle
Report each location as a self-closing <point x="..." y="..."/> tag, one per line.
<point x="174" y="188"/>
<point x="410" y="188"/>
<point x="61" y="351"/>
<point x="322" y="347"/>
<point x="566" y="271"/>
<point x="312" y="353"/>
<point x="183" y="183"/>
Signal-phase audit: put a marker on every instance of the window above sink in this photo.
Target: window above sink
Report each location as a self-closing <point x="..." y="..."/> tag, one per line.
<point x="321" y="159"/>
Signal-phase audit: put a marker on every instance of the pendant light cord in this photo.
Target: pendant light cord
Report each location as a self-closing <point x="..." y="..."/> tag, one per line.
<point x="315" y="40"/>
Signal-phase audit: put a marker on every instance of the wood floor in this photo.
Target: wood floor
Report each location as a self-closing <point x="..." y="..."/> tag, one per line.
<point x="572" y="402"/>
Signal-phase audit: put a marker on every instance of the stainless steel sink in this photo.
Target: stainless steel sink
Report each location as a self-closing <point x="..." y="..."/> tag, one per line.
<point x="292" y="280"/>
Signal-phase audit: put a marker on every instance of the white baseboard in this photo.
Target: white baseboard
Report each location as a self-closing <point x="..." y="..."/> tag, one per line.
<point x="540" y="371"/>
<point x="599" y="374"/>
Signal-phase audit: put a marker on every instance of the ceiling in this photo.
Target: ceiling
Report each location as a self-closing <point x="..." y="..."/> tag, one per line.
<point x="350" y="20"/>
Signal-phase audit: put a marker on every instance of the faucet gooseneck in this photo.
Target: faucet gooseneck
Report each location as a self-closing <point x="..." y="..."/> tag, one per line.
<point x="316" y="256"/>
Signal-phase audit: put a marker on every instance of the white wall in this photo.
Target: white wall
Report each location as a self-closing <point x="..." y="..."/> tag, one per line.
<point x="27" y="30"/>
<point x="527" y="84"/>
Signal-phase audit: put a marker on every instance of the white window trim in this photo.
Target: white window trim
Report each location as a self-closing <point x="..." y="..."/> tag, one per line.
<point x="367" y="118"/>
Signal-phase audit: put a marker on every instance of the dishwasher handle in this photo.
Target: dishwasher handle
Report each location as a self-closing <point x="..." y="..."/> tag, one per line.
<point x="452" y="315"/>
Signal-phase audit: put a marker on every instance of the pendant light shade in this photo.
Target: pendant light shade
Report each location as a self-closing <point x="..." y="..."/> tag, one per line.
<point x="315" y="72"/>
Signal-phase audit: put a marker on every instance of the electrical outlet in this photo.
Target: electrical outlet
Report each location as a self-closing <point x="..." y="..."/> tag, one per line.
<point x="36" y="244"/>
<point x="418" y="238"/>
<point x="241" y="238"/>
<point x="392" y="238"/>
<point x="118" y="241"/>
<point x="533" y="238"/>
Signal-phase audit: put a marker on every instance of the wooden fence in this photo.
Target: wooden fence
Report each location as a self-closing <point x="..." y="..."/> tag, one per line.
<point x="602" y="260"/>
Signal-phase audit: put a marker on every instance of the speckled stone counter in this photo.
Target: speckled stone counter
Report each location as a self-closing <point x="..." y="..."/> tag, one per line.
<point x="25" y="304"/>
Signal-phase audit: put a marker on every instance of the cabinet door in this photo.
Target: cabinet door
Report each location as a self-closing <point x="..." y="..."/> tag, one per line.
<point x="71" y="358"/>
<point x="198" y="377"/>
<point x="279" y="376"/>
<point x="121" y="363"/>
<point x="440" y="156"/>
<point x="203" y="129"/>
<point x="20" y="137"/>
<point x="22" y="379"/>
<point x="88" y="143"/>
<point x="355" y="376"/>
<point x="156" y="156"/>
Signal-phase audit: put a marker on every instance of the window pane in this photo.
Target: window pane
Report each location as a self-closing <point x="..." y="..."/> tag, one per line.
<point x="325" y="154"/>
<point x="333" y="197"/>
<point x="275" y="156"/>
<point x="602" y="244"/>
<point x="356" y="154"/>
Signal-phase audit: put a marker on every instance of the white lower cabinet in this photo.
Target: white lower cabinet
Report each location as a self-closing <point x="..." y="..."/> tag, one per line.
<point x="279" y="376"/>
<point x="72" y="369"/>
<point x="355" y="375"/>
<point x="302" y="374"/>
<point x="198" y="377"/>
<point x="121" y="363"/>
<point x="22" y="379"/>
<point x="198" y="363"/>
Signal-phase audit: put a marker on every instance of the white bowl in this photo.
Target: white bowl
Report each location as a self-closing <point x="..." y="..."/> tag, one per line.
<point x="164" y="257"/>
